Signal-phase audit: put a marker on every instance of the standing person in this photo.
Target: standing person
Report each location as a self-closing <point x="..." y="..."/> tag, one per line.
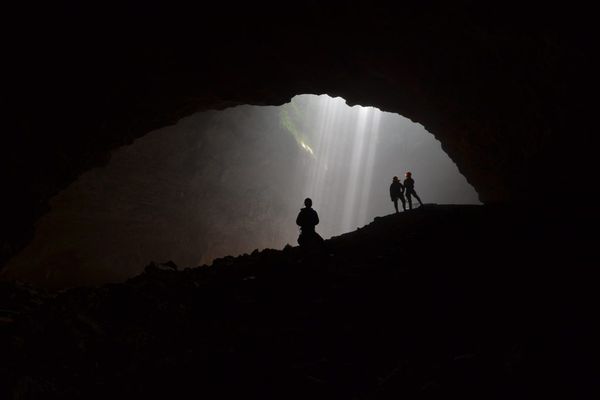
<point x="409" y="190"/>
<point x="307" y="220"/>
<point x="397" y="192"/>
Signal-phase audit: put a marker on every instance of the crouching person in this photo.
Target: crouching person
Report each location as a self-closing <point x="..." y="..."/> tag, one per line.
<point x="307" y="220"/>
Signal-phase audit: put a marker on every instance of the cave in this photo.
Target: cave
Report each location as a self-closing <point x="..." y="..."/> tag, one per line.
<point x="507" y="90"/>
<point x="229" y="182"/>
<point x="500" y="92"/>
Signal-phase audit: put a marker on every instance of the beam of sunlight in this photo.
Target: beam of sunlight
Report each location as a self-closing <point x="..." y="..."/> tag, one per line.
<point x="355" y="167"/>
<point x="373" y="132"/>
<point x="339" y="177"/>
<point x="355" y="151"/>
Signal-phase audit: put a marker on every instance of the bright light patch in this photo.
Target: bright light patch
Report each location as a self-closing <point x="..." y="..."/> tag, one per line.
<point x="339" y="175"/>
<point x="307" y="148"/>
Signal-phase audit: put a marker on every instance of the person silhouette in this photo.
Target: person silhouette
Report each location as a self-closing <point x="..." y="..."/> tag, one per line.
<point x="409" y="190"/>
<point x="397" y="192"/>
<point x="307" y="220"/>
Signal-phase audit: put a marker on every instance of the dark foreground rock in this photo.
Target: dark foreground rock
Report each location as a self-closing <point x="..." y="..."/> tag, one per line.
<point x="443" y="301"/>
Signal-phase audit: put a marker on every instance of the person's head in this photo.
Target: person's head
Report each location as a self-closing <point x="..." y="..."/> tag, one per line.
<point x="395" y="179"/>
<point x="408" y="174"/>
<point x="308" y="202"/>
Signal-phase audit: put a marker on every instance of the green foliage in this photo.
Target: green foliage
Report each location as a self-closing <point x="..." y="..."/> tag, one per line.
<point x="292" y="117"/>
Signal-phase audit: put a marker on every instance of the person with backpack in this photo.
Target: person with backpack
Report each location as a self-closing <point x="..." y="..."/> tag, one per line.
<point x="409" y="190"/>
<point x="307" y="220"/>
<point x="397" y="192"/>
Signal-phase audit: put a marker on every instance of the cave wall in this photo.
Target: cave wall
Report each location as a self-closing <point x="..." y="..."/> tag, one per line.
<point x="506" y="89"/>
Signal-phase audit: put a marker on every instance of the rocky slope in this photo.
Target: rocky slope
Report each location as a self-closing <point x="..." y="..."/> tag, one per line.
<point x="442" y="301"/>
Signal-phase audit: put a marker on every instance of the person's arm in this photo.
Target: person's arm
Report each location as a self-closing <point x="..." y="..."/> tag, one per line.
<point x="316" y="218"/>
<point x="299" y="219"/>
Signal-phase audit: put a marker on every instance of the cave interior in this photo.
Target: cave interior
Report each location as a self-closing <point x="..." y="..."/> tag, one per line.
<point x="507" y="90"/>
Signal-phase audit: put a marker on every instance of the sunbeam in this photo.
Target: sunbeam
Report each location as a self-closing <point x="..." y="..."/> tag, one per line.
<point x="354" y="153"/>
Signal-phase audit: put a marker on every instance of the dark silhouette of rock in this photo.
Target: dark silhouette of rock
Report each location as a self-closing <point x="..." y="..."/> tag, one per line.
<point x="168" y="266"/>
<point x="444" y="301"/>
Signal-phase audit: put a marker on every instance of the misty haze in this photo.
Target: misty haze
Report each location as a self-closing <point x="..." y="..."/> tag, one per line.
<point x="227" y="182"/>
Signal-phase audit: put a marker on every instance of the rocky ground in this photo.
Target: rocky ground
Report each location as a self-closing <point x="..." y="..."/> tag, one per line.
<point x="441" y="301"/>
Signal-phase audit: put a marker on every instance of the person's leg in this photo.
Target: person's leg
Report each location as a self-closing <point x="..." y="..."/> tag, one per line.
<point x="396" y="204"/>
<point x="417" y="197"/>
<point x="409" y="199"/>
<point x="403" y="202"/>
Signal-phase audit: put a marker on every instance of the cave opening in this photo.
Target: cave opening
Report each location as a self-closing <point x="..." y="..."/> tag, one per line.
<point x="445" y="301"/>
<point x="227" y="182"/>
